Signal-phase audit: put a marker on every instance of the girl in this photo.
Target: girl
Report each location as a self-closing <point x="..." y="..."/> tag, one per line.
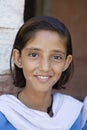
<point x="42" y="55"/>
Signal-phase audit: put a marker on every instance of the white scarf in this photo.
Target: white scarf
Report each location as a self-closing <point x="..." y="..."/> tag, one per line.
<point x="65" y="108"/>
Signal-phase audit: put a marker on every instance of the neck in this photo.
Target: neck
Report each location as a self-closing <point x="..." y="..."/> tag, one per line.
<point x="39" y="101"/>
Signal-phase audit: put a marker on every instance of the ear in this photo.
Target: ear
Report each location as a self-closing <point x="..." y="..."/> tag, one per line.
<point x="67" y="62"/>
<point x="17" y="58"/>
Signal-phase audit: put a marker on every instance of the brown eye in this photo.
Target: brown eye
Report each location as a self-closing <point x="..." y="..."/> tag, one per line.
<point x="57" y="57"/>
<point x="33" y="55"/>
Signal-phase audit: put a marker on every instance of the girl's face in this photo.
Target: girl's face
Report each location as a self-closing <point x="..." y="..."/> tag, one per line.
<point x="43" y="60"/>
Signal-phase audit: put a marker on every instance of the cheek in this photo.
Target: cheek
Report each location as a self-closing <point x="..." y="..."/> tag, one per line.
<point x="28" y="68"/>
<point x="57" y="74"/>
<point x="29" y="64"/>
<point x="58" y="69"/>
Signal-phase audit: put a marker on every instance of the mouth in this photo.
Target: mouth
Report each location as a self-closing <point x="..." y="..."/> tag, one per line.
<point x="43" y="78"/>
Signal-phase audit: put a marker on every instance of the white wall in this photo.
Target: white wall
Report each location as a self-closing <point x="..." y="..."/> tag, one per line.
<point x="11" y="18"/>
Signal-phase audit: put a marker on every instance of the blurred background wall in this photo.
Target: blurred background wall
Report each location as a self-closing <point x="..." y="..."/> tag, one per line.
<point x="73" y="14"/>
<point x="11" y="18"/>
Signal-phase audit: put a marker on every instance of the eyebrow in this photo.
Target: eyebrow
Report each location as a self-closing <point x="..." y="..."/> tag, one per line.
<point x="37" y="49"/>
<point x="27" y="49"/>
<point x="59" y="51"/>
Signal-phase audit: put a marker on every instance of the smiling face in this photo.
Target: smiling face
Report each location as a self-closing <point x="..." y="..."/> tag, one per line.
<point x="43" y="60"/>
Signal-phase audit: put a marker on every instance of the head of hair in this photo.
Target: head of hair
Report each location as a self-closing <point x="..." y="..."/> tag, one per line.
<point x="27" y="32"/>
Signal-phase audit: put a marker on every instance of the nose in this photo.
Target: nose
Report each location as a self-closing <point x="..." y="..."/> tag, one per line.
<point x="45" y="64"/>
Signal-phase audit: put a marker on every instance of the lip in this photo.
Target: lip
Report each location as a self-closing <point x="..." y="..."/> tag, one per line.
<point x="43" y="78"/>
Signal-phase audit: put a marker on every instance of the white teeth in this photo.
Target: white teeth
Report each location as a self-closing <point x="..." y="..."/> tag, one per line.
<point x="43" y="77"/>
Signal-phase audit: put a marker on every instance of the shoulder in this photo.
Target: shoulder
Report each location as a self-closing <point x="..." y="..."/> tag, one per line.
<point x="68" y="99"/>
<point x="4" y="123"/>
<point x="73" y="103"/>
<point x="70" y="108"/>
<point x="69" y="103"/>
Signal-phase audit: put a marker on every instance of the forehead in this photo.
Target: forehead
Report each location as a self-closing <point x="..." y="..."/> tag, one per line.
<point x="45" y="39"/>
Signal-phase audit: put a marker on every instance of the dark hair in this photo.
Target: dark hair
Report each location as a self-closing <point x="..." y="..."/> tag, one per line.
<point x="26" y="33"/>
